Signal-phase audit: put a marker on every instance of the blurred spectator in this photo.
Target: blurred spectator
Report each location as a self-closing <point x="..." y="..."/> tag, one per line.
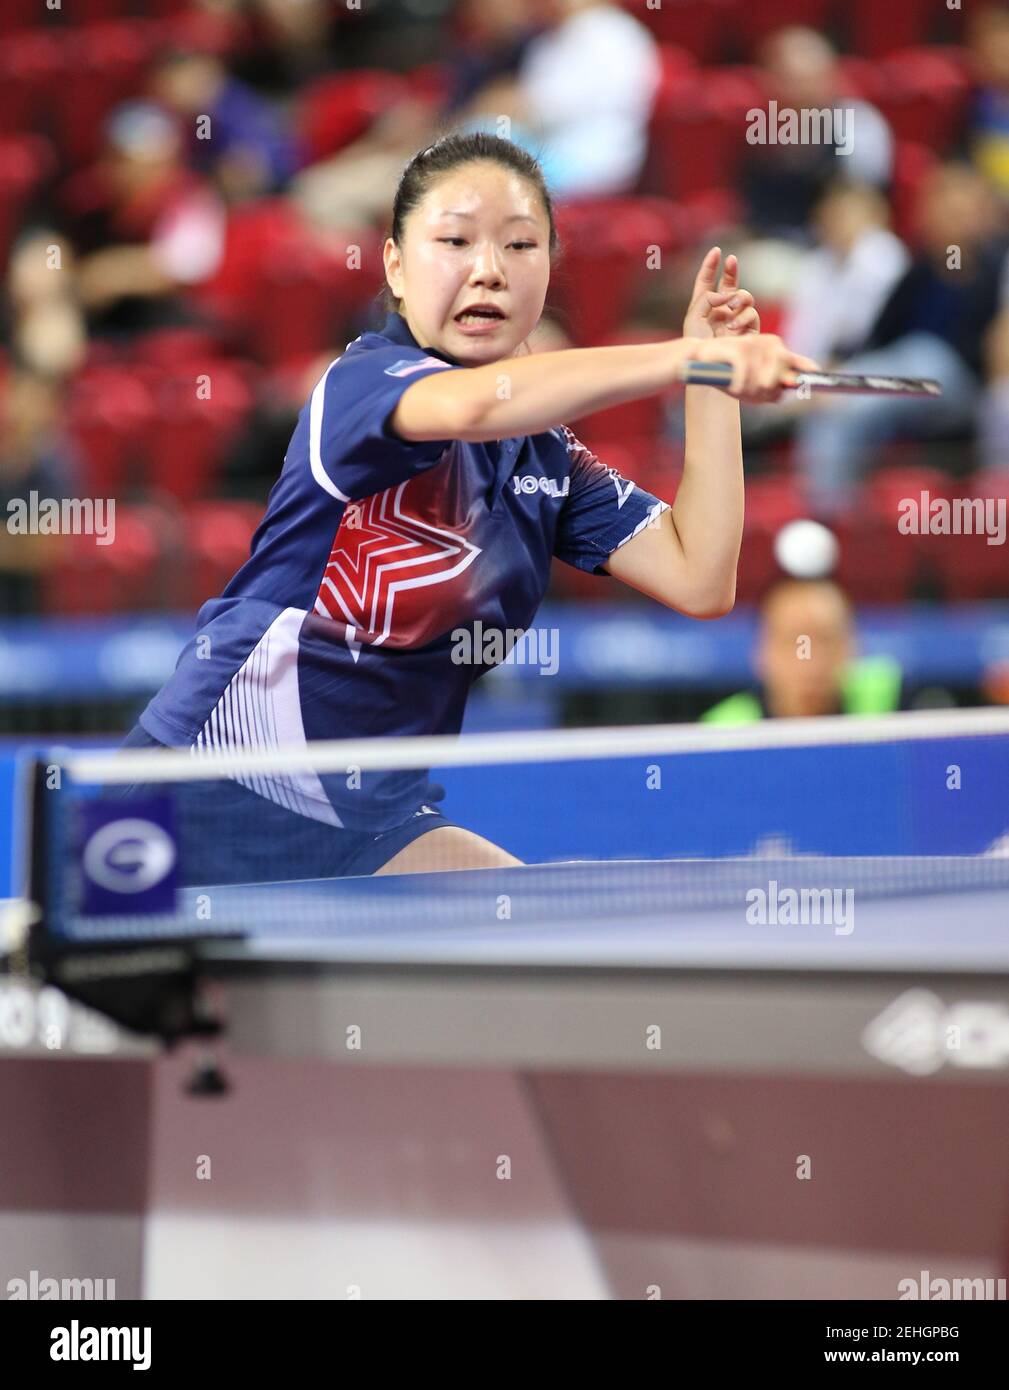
<point x="842" y="285"/>
<point x="781" y="183"/>
<point x="806" y="664"/>
<point x="34" y="457"/>
<point x="300" y="35"/>
<point x="580" y="102"/>
<point x="583" y="97"/>
<point x="357" y="186"/>
<point x="146" y="227"/>
<point x="988" y="119"/>
<point x="585" y="89"/>
<point x="496" y="36"/>
<point x="934" y="324"/>
<point x="44" y="327"/>
<point x="245" y="146"/>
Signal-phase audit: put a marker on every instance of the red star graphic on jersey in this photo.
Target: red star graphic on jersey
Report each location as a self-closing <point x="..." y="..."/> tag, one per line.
<point x="383" y="561"/>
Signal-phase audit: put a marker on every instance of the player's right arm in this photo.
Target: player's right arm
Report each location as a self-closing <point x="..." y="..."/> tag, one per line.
<point x="528" y="395"/>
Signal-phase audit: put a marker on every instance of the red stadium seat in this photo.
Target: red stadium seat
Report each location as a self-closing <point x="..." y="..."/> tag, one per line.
<point x="858" y="76"/>
<point x="336" y="111"/>
<point x="697" y="135"/>
<point x="430" y="82"/>
<point x="132" y="574"/>
<point x="641" y="418"/>
<point x="170" y="347"/>
<point x="709" y="211"/>
<point x="193" y="431"/>
<point x="106" y="66"/>
<point x="877" y="564"/>
<point x="993" y="484"/>
<point x="284" y="289"/>
<point x="701" y="29"/>
<point x="770" y="503"/>
<point x="676" y="68"/>
<point x="889" y="486"/>
<point x="18" y="14"/>
<point x="110" y="417"/>
<point x="86" y="12"/>
<point x="221" y="32"/>
<point x="25" y="162"/>
<point x="773" y="501"/>
<point x="877" y="29"/>
<point x="254" y="232"/>
<point x="753" y="22"/>
<point x="757" y="569"/>
<point x="219" y="534"/>
<point x="923" y="93"/>
<point x="298" y="306"/>
<point x="166" y="8"/>
<point x="968" y="567"/>
<point x="606" y="247"/>
<point x="32" y="65"/>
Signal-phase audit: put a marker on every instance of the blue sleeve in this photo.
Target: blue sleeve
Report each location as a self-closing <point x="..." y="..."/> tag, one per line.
<point x="353" y="451"/>
<point x="602" y="512"/>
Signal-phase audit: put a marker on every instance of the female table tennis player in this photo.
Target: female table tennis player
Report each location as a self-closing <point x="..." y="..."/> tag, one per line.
<point x="428" y="483"/>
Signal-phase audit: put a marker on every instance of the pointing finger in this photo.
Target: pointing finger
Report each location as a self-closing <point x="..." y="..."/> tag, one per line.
<point x="708" y="271"/>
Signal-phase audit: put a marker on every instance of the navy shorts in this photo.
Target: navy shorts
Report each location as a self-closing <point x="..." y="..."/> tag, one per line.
<point x="228" y="834"/>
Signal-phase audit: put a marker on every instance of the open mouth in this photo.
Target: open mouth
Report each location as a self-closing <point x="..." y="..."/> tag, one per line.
<point x="480" y="315"/>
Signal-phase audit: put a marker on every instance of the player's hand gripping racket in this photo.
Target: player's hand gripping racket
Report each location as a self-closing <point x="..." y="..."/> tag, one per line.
<point x="720" y="374"/>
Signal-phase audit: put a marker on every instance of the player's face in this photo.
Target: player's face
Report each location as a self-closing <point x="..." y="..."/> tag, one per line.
<point x="480" y="236"/>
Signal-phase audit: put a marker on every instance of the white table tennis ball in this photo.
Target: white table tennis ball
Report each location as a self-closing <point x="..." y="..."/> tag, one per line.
<point x="806" y="550"/>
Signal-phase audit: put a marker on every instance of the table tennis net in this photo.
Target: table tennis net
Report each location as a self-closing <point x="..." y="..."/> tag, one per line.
<point x="166" y="843"/>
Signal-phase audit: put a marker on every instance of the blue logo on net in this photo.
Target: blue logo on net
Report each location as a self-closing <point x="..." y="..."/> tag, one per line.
<point x="129" y="860"/>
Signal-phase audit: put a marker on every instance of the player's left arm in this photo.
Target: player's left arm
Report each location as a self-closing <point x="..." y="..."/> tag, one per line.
<point x="687" y="557"/>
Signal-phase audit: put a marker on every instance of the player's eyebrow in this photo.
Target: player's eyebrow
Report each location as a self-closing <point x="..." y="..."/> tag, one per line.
<point x="515" y="217"/>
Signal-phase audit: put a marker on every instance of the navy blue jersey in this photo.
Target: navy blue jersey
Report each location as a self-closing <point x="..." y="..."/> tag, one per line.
<point x="374" y="554"/>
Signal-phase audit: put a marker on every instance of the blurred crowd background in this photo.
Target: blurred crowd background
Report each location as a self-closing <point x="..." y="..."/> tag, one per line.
<point x="169" y="299"/>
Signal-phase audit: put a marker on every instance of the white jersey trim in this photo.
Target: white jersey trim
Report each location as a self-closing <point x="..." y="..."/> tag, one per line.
<point x="260" y="710"/>
<point x="315" y="437"/>
<point x="653" y="514"/>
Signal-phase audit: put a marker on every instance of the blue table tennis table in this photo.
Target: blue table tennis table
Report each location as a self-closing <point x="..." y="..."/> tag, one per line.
<point x="653" y="1066"/>
<point x="891" y="954"/>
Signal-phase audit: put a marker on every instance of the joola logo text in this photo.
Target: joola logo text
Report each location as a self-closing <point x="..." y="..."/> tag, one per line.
<point x="529" y="482"/>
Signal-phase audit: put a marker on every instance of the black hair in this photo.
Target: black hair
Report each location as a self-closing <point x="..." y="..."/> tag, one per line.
<point x="450" y="152"/>
<point x="790" y="582"/>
